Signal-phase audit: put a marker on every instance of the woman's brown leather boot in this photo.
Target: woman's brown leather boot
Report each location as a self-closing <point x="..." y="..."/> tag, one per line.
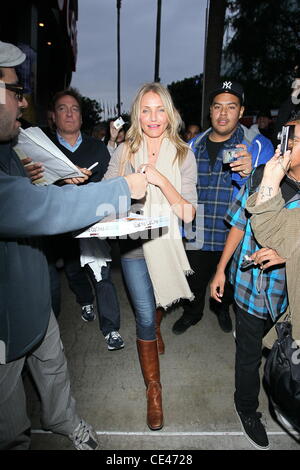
<point x="149" y="361"/>
<point x="160" y="342"/>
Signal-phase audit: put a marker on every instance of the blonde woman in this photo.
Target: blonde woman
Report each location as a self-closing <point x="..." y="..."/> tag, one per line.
<point x="155" y="269"/>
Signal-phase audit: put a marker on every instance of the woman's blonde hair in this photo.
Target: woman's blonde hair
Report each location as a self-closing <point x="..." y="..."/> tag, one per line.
<point x="134" y="135"/>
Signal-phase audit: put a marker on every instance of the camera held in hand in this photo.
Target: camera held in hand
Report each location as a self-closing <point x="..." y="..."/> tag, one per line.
<point x="118" y="123"/>
<point x="229" y="155"/>
<point x="285" y="136"/>
<point x="247" y="262"/>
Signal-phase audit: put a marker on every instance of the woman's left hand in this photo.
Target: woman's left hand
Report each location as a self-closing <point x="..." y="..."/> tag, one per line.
<point x="152" y="174"/>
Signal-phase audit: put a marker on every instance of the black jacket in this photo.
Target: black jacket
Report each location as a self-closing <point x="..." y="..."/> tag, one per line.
<point x="90" y="151"/>
<point x="27" y="212"/>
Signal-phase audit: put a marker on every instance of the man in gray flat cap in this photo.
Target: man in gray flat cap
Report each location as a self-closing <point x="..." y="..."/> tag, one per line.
<point x="10" y="55"/>
<point x="28" y="328"/>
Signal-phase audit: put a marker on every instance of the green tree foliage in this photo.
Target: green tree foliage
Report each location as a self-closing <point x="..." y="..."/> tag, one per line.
<point x="187" y="97"/>
<point x="91" y="114"/>
<point x="263" y="48"/>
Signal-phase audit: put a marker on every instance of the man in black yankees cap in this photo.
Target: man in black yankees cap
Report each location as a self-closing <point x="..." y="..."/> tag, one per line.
<point x="218" y="183"/>
<point x="230" y="87"/>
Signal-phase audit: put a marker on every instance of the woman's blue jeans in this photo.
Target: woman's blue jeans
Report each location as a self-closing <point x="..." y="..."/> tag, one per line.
<point x="140" y="289"/>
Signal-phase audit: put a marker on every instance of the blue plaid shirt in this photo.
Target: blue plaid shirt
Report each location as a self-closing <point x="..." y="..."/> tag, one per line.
<point x="217" y="186"/>
<point x="256" y="291"/>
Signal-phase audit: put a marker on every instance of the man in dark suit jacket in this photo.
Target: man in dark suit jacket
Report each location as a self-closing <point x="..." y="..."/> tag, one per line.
<point x="84" y="151"/>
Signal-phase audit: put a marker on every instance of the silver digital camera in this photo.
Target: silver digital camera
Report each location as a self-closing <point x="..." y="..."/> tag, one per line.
<point x="229" y="155"/>
<point x="286" y="134"/>
<point x="247" y="262"/>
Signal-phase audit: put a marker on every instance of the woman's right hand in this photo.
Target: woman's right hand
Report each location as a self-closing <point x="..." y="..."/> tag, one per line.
<point x="217" y="285"/>
<point x="152" y="174"/>
<point x="276" y="167"/>
<point x="113" y="132"/>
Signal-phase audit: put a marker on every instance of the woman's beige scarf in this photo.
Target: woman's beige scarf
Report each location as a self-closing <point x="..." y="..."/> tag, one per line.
<point x="165" y="256"/>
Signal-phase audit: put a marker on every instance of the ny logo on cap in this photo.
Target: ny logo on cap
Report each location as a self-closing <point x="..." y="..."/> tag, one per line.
<point x="227" y="85"/>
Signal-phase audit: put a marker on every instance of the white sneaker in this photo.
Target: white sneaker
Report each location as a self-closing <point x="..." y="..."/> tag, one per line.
<point x="114" y="341"/>
<point x="84" y="437"/>
<point x="87" y="313"/>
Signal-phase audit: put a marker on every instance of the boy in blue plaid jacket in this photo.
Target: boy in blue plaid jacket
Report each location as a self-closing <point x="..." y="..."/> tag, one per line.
<point x="261" y="298"/>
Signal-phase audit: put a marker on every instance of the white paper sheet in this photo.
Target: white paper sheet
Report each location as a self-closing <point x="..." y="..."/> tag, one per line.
<point x="124" y="226"/>
<point x="34" y="143"/>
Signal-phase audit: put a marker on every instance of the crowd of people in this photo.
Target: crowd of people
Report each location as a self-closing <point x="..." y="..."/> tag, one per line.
<point x="159" y="167"/>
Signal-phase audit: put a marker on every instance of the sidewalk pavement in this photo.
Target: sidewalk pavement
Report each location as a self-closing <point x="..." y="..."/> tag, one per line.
<point x="197" y="375"/>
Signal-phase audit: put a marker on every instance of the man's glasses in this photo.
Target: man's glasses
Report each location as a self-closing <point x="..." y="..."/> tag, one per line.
<point x="17" y="89"/>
